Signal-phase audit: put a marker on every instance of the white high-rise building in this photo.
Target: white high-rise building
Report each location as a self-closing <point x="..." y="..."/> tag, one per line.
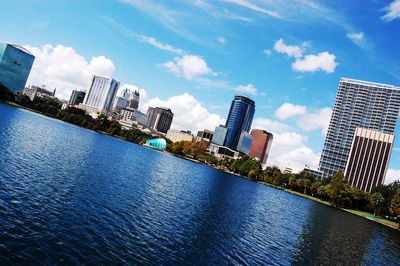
<point x="361" y="104"/>
<point x="100" y="96"/>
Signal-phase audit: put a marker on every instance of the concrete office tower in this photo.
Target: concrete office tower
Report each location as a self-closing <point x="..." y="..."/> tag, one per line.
<point x="159" y="118"/>
<point x="239" y="119"/>
<point x="261" y="145"/>
<point x="101" y="94"/>
<point x="358" y="104"/>
<point x="15" y="66"/>
<point x="369" y="158"/>
<point x="77" y="97"/>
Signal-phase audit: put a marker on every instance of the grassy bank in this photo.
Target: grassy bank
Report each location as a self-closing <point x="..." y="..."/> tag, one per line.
<point x="366" y="215"/>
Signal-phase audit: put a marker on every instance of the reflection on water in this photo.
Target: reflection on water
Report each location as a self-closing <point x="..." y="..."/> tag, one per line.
<point x="330" y="238"/>
<point x="70" y="195"/>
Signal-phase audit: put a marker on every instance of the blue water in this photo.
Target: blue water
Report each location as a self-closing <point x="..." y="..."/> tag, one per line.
<point x="70" y="195"/>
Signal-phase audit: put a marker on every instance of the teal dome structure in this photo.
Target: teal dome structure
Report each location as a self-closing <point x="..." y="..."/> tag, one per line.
<point x="159" y="143"/>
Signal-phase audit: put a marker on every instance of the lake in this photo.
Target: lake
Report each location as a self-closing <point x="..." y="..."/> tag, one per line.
<point x="71" y="195"/>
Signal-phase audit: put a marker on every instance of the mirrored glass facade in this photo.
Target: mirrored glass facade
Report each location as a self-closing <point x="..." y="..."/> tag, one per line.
<point x="244" y="143"/>
<point x="15" y="66"/>
<point x="219" y="135"/>
<point x="239" y="119"/>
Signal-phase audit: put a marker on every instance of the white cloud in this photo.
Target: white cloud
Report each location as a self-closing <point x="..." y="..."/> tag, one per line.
<point x="310" y="63"/>
<point x="287" y="110"/>
<point x="247" y="4"/>
<point x="221" y="40"/>
<point x="267" y="52"/>
<point x="155" y="43"/>
<point x="288" y="148"/>
<point x="290" y="50"/>
<point x="249" y="88"/>
<point x="188" y="66"/>
<point x="63" y="68"/>
<point x="312" y="121"/>
<point x="189" y="113"/>
<point x="392" y="175"/>
<point x="393" y="11"/>
<point x="142" y="92"/>
<point x="269" y="125"/>
<point x="357" y="38"/>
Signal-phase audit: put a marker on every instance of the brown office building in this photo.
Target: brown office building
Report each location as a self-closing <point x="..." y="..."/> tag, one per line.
<point x="369" y="158"/>
<point x="261" y="145"/>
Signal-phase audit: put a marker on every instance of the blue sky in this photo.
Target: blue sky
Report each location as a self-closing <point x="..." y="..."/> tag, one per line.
<point x="193" y="56"/>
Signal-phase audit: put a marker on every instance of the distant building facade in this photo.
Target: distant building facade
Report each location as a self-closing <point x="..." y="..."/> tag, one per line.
<point x="34" y="91"/>
<point x="159" y="118"/>
<point x="358" y="104"/>
<point x="205" y="134"/>
<point x="369" y="158"/>
<point x="261" y="145"/>
<point x="222" y="151"/>
<point x="244" y="143"/>
<point x="100" y="96"/>
<point x="15" y="65"/>
<point x="175" y="136"/>
<point x="77" y="97"/>
<point x="219" y="135"/>
<point x="118" y="104"/>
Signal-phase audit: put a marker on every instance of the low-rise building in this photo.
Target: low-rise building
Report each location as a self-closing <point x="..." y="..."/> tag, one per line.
<point x="34" y="91"/>
<point x="220" y="151"/>
<point x="176" y="136"/>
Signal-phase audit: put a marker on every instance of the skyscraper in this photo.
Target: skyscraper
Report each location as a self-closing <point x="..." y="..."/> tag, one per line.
<point x="15" y="66"/>
<point x="100" y="96"/>
<point x="159" y="118"/>
<point x="261" y="145"/>
<point x="239" y="119"/>
<point x="358" y="104"/>
<point x="369" y="158"/>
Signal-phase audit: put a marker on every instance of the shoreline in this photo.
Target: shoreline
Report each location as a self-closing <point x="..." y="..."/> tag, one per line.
<point x="365" y="215"/>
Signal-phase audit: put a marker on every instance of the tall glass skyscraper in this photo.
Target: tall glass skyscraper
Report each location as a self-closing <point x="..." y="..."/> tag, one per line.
<point x="15" y="66"/>
<point x="239" y="119"/>
<point x="361" y="104"/>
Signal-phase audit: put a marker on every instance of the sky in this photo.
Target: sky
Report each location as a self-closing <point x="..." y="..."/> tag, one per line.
<point x="195" y="55"/>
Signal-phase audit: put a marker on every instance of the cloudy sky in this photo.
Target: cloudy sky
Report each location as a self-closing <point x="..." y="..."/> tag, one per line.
<point x="194" y="55"/>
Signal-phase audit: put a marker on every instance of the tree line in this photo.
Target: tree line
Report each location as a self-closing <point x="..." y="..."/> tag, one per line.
<point x="384" y="200"/>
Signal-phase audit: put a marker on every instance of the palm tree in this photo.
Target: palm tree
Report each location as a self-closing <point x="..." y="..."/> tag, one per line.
<point x="376" y="201"/>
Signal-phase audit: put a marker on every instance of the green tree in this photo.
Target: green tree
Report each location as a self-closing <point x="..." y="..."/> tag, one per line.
<point x="306" y="185"/>
<point x="252" y="174"/>
<point x="395" y="207"/>
<point x="376" y="201"/>
<point x="338" y="189"/>
<point x="292" y="182"/>
<point x="314" y="187"/>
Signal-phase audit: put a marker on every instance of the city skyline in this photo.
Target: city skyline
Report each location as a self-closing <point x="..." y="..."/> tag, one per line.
<point x="269" y="51"/>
